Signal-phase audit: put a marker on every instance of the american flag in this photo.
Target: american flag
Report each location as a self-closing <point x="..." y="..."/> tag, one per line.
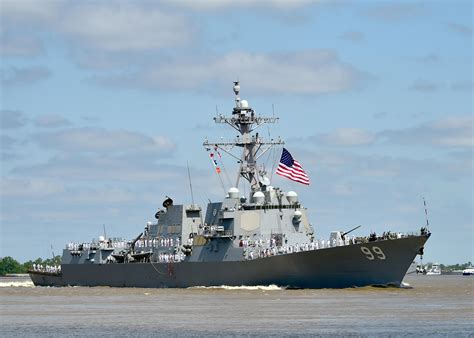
<point x="291" y="169"/>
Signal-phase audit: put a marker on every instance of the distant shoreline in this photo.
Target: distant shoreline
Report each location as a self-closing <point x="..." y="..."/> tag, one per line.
<point x="16" y="275"/>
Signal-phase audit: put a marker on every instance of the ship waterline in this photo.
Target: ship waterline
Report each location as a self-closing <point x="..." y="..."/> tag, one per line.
<point x="338" y="267"/>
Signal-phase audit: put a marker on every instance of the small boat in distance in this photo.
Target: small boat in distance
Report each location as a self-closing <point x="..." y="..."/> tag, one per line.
<point x="435" y="270"/>
<point x="420" y="269"/>
<point x="468" y="272"/>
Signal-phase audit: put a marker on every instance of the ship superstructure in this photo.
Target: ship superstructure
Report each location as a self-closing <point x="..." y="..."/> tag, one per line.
<point x="260" y="239"/>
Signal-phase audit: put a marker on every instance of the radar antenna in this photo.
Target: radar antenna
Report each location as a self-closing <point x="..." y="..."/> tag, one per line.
<point x="245" y="122"/>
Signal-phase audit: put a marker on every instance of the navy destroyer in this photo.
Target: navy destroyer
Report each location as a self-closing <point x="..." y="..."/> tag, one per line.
<point x="264" y="238"/>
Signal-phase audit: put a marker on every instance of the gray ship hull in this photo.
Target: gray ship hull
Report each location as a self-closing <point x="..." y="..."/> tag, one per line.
<point x="337" y="267"/>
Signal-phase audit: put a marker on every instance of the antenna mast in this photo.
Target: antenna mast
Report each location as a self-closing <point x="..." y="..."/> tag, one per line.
<point x="190" y="184"/>
<point x="245" y="121"/>
<point x="426" y="214"/>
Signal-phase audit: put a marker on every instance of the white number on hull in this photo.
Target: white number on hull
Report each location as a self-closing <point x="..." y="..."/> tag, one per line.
<point x="370" y="256"/>
<point x="379" y="253"/>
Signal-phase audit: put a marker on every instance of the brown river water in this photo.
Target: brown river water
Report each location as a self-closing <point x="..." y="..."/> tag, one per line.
<point x="429" y="306"/>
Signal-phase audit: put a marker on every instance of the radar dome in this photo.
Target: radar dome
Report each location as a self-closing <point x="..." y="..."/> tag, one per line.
<point x="101" y="238"/>
<point x="292" y="197"/>
<point x="264" y="180"/>
<point x="236" y="88"/>
<point x="258" y="197"/>
<point x="244" y="104"/>
<point x="233" y="193"/>
<point x="297" y="216"/>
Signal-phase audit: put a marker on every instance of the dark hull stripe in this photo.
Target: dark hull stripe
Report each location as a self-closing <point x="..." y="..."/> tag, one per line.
<point x="338" y="267"/>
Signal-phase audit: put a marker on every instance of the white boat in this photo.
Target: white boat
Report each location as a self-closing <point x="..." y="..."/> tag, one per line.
<point x="468" y="272"/>
<point x="420" y="269"/>
<point x="435" y="270"/>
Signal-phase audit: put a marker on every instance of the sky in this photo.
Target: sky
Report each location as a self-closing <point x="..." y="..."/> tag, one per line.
<point x="104" y="104"/>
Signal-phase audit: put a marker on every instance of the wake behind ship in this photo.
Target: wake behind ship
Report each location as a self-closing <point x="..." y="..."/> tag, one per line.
<point x="261" y="239"/>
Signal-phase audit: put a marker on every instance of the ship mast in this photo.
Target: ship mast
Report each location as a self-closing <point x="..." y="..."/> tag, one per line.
<point x="245" y="121"/>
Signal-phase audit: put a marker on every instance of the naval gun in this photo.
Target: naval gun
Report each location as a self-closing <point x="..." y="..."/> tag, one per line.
<point x="125" y="255"/>
<point x="348" y="232"/>
<point x="132" y="244"/>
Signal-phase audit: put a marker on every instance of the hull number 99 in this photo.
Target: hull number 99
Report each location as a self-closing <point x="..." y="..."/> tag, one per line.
<point x="376" y="252"/>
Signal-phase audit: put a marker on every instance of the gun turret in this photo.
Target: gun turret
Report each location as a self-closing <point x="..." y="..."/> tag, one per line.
<point x="132" y="245"/>
<point x="348" y="232"/>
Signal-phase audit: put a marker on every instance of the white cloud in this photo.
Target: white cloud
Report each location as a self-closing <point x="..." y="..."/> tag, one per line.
<point x="19" y="45"/>
<point x="12" y="119"/>
<point x="106" y="168"/>
<point x="28" y="11"/>
<point x="304" y="72"/>
<point x="119" y="26"/>
<point x="395" y="12"/>
<point x="424" y="86"/>
<point x="125" y="27"/>
<point x="225" y="4"/>
<point x="342" y="189"/>
<point x="431" y="58"/>
<point x="97" y="140"/>
<point x="7" y="142"/>
<point x="51" y="121"/>
<point x="101" y="195"/>
<point x="353" y="36"/>
<point x="461" y="29"/>
<point x="29" y="187"/>
<point x="347" y="137"/>
<point x="16" y="76"/>
<point x="455" y="131"/>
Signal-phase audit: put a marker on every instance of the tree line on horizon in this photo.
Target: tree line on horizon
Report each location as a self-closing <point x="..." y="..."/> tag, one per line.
<point x="454" y="267"/>
<point x="9" y="265"/>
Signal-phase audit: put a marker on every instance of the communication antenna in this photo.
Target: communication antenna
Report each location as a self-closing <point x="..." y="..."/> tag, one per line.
<point x="105" y="234"/>
<point x="190" y="183"/>
<point x="426" y="214"/>
<point x="52" y="251"/>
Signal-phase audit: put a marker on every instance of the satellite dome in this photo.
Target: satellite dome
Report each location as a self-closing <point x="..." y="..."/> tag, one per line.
<point x="264" y="180"/>
<point x="292" y="197"/>
<point x="233" y="193"/>
<point x="101" y="238"/>
<point x="236" y="88"/>
<point x="297" y="215"/>
<point x="258" y="197"/>
<point x="244" y="104"/>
